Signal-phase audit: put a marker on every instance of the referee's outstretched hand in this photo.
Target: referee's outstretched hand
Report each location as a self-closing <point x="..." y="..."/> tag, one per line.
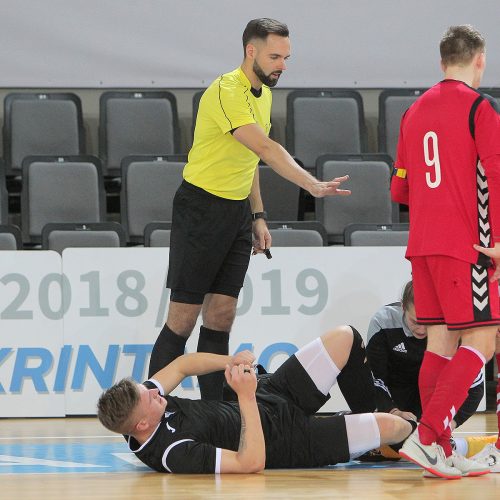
<point x="329" y="188"/>
<point x="494" y="254"/>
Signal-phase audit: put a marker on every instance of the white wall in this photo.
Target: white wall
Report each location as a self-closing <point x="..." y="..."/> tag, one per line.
<point x="187" y="43"/>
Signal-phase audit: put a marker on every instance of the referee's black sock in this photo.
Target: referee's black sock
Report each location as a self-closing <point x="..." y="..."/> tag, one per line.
<point x="216" y="342"/>
<point x="168" y="346"/>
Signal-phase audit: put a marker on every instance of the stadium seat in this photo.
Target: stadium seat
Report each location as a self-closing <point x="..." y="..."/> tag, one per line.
<point x="10" y="238"/>
<point x="41" y="124"/>
<point x="370" y="201"/>
<point x="60" y="189"/>
<point x="58" y="236"/>
<point x="392" y="104"/>
<point x="148" y="188"/>
<point x="4" y="197"/>
<point x="324" y="121"/>
<point x="369" y="235"/>
<point x="157" y="234"/>
<point x="136" y="123"/>
<point x="297" y="233"/>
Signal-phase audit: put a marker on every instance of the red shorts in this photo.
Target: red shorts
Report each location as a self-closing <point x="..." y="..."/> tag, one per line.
<point x="453" y="292"/>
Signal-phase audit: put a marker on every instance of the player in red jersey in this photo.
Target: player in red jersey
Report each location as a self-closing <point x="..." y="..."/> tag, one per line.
<point x="448" y="172"/>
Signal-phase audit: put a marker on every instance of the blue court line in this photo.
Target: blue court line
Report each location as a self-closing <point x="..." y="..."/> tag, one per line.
<point x="61" y="458"/>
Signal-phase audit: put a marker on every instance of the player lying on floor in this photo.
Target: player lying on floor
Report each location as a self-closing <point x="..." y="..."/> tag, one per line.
<point x="272" y="425"/>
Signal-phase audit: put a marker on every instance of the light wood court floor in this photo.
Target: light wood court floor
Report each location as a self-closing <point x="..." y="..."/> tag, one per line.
<point x="27" y="436"/>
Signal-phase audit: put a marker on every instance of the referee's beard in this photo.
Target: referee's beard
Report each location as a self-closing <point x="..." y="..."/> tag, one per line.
<point x="266" y="79"/>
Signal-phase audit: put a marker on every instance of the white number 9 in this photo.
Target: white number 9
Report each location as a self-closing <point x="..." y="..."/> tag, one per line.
<point x="431" y="137"/>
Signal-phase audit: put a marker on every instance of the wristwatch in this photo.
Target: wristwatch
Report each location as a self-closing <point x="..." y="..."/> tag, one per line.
<point x="259" y="215"/>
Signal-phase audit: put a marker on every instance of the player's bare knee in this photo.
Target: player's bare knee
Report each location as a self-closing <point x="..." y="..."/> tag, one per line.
<point x="339" y="343"/>
<point x="393" y="429"/>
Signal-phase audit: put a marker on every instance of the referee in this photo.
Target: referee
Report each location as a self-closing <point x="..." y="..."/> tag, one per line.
<point x="218" y="205"/>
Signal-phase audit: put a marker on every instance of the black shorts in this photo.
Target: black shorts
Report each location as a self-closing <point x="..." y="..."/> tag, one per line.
<point x="210" y="245"/>
<point x="325" y="436"/>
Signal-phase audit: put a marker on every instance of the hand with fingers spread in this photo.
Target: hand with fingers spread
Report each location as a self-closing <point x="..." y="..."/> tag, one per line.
<point x="494" y="254"/>
<point x="320" y="189"/>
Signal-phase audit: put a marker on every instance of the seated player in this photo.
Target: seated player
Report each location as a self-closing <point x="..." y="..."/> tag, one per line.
<point x="270" y="426"/>
<point x="395" y="351"/>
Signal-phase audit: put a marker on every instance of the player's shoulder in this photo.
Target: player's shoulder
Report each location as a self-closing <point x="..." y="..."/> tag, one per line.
<point x="490" y="100"/>
<point x="386" y="318"/>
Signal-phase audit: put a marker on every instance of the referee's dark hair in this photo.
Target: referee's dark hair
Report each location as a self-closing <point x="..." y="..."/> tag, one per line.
<point x="460" y="44"/>
<point x="261" y="28"/>
<point x="407" y="298"/>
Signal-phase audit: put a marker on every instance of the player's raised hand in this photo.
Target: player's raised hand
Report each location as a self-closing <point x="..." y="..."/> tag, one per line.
<point x="321" y="189"/>
<point x="243" y="357"/>
<point x="242" y="379"/>
<point x="494" y="254"/>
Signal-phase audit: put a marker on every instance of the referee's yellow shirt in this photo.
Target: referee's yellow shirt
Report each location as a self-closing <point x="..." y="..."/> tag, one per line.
<point x="217" y="162"/>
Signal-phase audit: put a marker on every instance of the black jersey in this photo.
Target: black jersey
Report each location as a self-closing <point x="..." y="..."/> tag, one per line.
<point x="395" y="357"/>
<point x="192" y="433"/>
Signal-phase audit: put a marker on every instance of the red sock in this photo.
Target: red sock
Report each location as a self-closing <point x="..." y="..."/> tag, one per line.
<point x="444" y="441"/>
<point x="498" y="400"/>
<point x="451" y="390"/>
<point x="432" y="365"/>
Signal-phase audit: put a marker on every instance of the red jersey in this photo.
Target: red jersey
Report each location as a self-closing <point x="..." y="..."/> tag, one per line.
<point x="453" y="199"/>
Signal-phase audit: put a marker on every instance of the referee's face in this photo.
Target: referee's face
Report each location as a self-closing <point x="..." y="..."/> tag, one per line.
<point x="270" y="58"/>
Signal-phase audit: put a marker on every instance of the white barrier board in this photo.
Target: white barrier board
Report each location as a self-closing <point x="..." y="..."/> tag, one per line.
<point x="70" y="331"/>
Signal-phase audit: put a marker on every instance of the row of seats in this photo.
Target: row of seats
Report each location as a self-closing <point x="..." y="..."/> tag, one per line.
<point x="59" y="236"/>
<point x="71" y="189"/>
<point x="318" y="122"/>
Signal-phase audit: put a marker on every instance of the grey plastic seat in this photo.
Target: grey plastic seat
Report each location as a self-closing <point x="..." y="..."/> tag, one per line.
<point x="136" y="123"/>
<point x="10" y="238"/>
<point x="369" y="235"/>
<point x="4" y="196"/>
<point x="148" y="188"/>
<point x="58" y="236"/>
<point x="370" y="201"/>
<point x="41" y="124"/>
<point x="324" y="121"/>
<point x="157" y="234"/>
<point x="280" y="197"/>
<point x="392" y="104"/>
<point x="297" y="234"/>
<point x="60" y="189"/>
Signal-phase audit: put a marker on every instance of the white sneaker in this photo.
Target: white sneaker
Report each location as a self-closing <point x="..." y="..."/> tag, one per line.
<point x="489" y="456"/>
<point x="430" y="457"/>
<point x="467" y="467"/>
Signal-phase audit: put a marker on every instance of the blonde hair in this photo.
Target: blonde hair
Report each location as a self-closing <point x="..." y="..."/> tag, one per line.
<point x="115" y="406"/>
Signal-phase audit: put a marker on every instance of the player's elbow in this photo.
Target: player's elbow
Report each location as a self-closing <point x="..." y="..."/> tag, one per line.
<point x="253" y="465"/>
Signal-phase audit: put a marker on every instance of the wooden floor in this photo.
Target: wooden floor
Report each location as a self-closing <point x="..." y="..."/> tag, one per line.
<point x="367" y="483"/>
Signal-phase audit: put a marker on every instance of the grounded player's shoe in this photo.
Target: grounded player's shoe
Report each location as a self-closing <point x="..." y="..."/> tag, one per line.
<point x="430" y="457"/>
<point x="489" y="456"/>
<point x="382" y="454"/>
<point x="468" y="467"/>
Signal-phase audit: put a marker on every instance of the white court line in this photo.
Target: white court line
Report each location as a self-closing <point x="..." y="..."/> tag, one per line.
<point x="23" y="438"/>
